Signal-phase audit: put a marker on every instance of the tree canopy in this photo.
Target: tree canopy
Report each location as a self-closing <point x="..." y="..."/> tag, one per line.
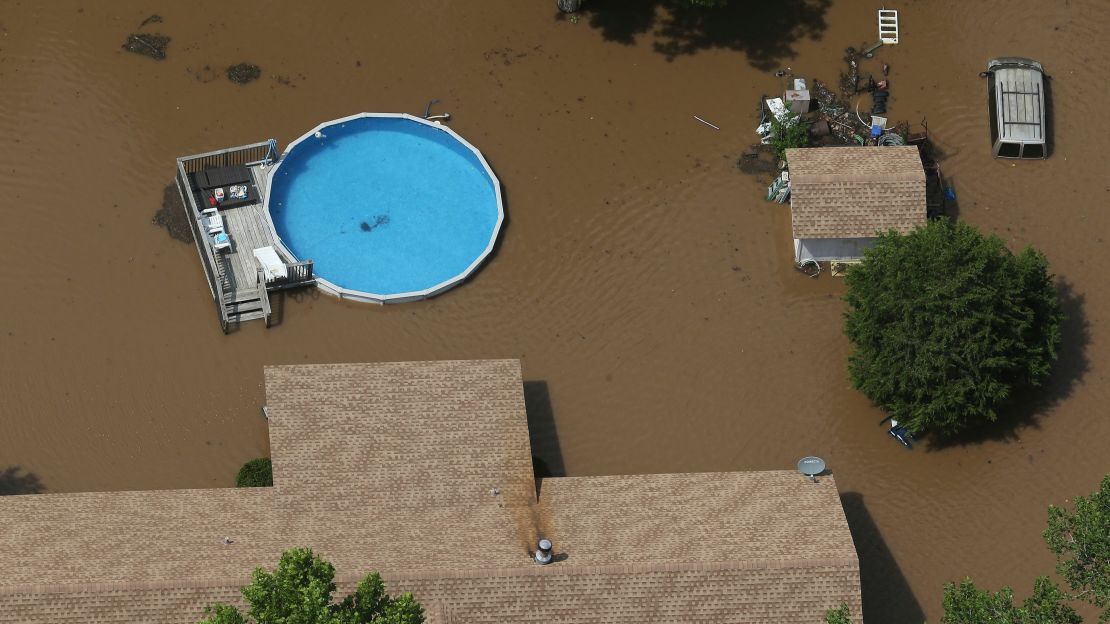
<point x="947" y="324"/>
<point x="840" y="615"/>
<point x="1080" y="540"/>
<point x="967" y="604"/>
<point x="299" y="591"/>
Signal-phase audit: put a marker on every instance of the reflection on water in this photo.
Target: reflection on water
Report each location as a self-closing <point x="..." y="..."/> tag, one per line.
<point x="641" y="278"/>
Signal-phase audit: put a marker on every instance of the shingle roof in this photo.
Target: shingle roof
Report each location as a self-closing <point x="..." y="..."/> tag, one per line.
<point x="756" y="517"/>
<point x="390" y="467"/>
<point x="854" y="192"/>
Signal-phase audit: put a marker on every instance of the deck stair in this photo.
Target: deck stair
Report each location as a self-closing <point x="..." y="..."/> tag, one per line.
<point x="245" y="307"/>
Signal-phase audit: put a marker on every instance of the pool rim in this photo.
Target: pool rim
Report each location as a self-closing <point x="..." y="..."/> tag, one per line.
<point x="415" y="295"/>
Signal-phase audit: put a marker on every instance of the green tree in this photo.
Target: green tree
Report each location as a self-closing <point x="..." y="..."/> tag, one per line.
<point x="1081" y="542"/>
<point x="790" y="131"/>
<point x="947" y="324"/>
<point x="299" y="591"/>
<point x="967" y="604"/>
<point x="256" y="473"/>
<point x="840" y="615"/>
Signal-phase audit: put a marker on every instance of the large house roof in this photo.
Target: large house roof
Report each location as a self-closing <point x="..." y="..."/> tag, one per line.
<point x="855" y="192"/>
<point x="422" y="471"/>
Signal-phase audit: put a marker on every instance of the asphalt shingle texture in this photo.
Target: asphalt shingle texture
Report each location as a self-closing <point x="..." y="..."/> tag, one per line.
<point x="855" y="192"/>
<point x="422" y="471"/>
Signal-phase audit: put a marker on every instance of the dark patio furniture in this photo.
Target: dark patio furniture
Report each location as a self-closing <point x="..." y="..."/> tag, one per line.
<point x="227" y="176"/>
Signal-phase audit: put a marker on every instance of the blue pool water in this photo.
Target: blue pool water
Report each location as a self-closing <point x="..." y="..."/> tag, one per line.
<point x="384" y="205"/>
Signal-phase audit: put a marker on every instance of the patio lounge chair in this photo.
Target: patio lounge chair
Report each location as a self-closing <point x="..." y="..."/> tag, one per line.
<point x="221" y="241"/>
<point x="210" y="218"/>
<point x="271" y="263"/>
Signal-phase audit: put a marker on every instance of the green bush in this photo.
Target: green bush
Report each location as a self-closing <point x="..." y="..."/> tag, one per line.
<point x="840" y="615"/>
<point x="790" y="132"/>
<point x="256" y="473"/>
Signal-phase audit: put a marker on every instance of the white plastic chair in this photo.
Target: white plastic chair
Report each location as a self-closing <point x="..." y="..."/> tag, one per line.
<point x="221" y="241"/>
<point x="212" y="220"/>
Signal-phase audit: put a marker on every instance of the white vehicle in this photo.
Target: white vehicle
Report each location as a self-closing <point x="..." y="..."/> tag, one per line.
<point x="1016" y="105"/>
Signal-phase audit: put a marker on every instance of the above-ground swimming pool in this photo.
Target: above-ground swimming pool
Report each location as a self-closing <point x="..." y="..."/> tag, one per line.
<point x="389" y="207"/>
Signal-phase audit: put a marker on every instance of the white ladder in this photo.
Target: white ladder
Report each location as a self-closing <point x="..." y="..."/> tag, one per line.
<point x="888" y="26"/>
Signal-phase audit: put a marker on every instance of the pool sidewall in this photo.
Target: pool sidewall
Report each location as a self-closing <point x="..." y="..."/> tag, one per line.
<point x="416" y="295"/>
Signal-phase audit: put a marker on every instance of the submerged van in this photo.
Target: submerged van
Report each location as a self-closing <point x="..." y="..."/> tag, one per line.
<point x="1016" y="99"/>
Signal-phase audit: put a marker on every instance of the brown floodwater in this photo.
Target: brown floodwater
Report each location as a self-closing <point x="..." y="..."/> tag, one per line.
<point x="642" y="280"/>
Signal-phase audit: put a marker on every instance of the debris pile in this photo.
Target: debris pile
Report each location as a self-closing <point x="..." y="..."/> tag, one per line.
<point x="849" y="82"/>
<point x="172" y="215"/>
<point x="243" y="73"/>
<point x="836" y="118"/>
<point x="148" y="44"/>
<point x="833" y="110"/>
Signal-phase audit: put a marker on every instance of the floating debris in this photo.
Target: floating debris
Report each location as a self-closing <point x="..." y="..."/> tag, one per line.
<point x="809" y="267"/>
<point x="172" y="215"/>
<point x="148" y="44"/>
<point x="153" y="19"/>
<point x="244" y="73"/>
<point x="843" y="126"/>
<point x="849" y="82"/>
<point x="715" y="127"/>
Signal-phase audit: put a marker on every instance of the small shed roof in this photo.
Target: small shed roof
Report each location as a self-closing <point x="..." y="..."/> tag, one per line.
<point x="855" y="192"/>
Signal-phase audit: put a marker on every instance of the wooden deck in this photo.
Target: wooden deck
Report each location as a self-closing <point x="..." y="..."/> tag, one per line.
<point x="249" y="230"/>
<point x="233" y="274"/>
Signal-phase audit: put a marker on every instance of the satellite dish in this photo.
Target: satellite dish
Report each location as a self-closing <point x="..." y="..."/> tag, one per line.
<point x="811" y="467"/>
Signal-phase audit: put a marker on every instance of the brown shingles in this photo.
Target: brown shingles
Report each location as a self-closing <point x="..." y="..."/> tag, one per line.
<point x="664" y="518"/>
<point x="390" y="467"/>
<point x="855" y="192"/>
<point x="104" y="537"/>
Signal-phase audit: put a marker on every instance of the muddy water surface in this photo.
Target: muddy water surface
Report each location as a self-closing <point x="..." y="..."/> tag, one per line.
<point x="642" y="280"/>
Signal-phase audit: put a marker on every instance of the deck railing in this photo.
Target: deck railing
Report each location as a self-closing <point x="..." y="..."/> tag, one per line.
<point x="301" y="272"/>
<point x="263" y="295"/>
<point x="242" y="155"/>
<point x="298" y="274"/>
<point x="204" y="245"/>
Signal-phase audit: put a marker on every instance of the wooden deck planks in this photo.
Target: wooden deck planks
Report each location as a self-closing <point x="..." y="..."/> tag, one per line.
<point x="249" y="229"/>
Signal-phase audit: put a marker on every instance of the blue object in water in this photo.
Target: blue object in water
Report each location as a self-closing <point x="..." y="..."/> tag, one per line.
<point x="950" y="193"/>
<point x="900" y="433"/>
<point x="388" y="206"/>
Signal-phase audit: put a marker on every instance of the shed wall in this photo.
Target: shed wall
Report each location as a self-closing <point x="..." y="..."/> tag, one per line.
<point x="830" y="249"/>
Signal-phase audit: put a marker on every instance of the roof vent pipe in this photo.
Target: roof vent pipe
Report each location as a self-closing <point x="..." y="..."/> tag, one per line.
<point x="543" y="552"/>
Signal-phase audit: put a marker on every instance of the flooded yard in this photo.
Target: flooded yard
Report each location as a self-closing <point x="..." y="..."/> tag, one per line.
<point x="641" y="278"/>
